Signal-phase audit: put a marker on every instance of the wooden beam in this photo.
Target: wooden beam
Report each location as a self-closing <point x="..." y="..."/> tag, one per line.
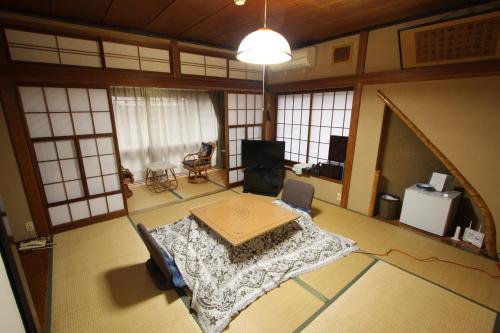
<point x="488" y="221"/>
<point x="176" y="59"/>
<point x="453" y="71"/>
<point x="351" y="144"/>
<point x="353" y="128"/>
<point x="110" y="77"/>
<point x="362" y="50"/>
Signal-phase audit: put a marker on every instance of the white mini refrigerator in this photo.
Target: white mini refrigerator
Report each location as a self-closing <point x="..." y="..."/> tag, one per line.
<point x="430" y="211"/>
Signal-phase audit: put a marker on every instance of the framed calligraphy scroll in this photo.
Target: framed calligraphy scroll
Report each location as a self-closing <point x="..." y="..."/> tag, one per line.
<point x="466" y="39"/>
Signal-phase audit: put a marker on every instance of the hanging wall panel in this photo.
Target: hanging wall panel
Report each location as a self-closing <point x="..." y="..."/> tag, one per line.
<point x="73" y="141"/>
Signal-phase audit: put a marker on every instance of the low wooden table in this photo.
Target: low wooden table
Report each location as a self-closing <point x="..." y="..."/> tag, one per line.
<point x="240" y="219"/>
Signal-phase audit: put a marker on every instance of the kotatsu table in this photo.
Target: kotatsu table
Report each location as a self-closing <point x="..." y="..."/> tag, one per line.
<point x="240" y="219"/>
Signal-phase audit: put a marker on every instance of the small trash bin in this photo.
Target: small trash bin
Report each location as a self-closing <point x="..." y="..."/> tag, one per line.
<point x="389" y="206"/>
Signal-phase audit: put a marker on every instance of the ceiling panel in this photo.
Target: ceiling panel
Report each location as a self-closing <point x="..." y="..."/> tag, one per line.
<point x="184" y="14"/>
<point x="87" y="11"/>
<point x="144" y="12"/>
<point x="29" y="6"/>
<point x="222" y="23"/>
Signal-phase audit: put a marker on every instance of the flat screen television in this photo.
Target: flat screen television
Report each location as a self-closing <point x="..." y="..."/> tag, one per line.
<point x="338" y="148"/>
<point x="257" y="154"/>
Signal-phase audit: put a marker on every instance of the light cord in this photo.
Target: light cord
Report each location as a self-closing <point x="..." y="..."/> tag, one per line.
<point x="265" y="13"/>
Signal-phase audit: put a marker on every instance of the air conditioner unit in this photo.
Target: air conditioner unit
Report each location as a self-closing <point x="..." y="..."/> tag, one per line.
<point x="301" y="58"/>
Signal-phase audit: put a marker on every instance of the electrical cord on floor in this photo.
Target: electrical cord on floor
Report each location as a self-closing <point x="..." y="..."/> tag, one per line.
<point x="430" y="259"/>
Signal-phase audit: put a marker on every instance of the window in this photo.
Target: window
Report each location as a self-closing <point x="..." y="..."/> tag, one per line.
<point x="244" y="119"/>
<point x="156" y="124"/>
<point x="306" y="122"/>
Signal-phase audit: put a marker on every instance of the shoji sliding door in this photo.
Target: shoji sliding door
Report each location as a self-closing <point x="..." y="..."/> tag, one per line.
<point x="244" y="121"/>
<point x="74" y="147"/>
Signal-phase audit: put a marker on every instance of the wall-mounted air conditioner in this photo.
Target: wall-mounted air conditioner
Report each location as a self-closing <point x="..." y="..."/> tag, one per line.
<point x="301" y="58"/>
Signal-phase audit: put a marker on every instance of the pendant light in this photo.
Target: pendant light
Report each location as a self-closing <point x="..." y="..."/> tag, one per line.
<point x="264" y="46"/>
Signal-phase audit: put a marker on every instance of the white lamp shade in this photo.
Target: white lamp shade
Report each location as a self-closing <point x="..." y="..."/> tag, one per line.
<point x="264" y="46"/>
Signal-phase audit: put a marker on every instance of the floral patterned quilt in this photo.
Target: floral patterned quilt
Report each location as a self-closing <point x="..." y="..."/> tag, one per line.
<point x="225" y="279"/>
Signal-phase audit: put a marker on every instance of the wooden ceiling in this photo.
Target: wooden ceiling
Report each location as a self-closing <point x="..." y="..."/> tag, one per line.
<point x="222" y="23"/>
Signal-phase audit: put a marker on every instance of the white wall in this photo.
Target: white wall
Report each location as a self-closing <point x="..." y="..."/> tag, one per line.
<point x="9" y="312"/>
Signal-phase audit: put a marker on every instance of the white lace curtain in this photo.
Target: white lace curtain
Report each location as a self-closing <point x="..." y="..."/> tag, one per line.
<point x="154" y="124"/>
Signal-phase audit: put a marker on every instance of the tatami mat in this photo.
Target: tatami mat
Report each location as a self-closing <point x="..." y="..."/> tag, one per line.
<point x="189" y="190"/>
<point x="388" y="299"/>
<point x="376" y="236"/>
<point x="169" y="214"/>
<point x="143" y="198"/>
<point x="330" y="279"/>
<point x="100" y="284"/>
<point x="218" y="176"/>
<point x="281" y="310"/>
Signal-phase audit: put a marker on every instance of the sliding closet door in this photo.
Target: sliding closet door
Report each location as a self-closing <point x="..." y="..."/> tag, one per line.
<point x="244" y="121"/>
<point x="74" y="147"/>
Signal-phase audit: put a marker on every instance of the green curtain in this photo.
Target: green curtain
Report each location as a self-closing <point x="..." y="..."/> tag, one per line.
<point x="217" y="98"/>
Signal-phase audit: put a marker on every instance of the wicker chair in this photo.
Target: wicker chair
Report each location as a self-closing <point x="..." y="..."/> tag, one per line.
<point x="199" y="162"/>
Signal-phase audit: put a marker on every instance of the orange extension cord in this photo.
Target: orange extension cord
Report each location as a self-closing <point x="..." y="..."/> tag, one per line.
<point x="430" y="259"/>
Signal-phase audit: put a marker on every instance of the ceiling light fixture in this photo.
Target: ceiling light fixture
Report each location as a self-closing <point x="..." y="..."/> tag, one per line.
<point x="264" y="46"/>
<point x="239" y="2"/>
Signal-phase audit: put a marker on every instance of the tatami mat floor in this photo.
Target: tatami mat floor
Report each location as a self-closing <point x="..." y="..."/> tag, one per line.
<point x="100" y="283"/>
<point x="144" y="199"/>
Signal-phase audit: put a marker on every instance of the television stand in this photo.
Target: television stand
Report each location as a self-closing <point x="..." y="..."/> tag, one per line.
<point x="264" y="181"/>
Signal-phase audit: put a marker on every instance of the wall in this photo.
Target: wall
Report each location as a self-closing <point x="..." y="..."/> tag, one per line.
<point x="404" y="159"/>
<point x="323" y="189"/>
<point x="324" y="63"/>
<point x="459" y="116"/>
<point x="383" y="44"/>
<point x="9" y="312"/>
<point x="11" y="186"/>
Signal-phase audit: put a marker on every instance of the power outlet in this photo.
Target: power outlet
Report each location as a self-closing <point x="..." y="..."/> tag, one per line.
<point x="30" y="229"/>
<point x="339" y="196"/>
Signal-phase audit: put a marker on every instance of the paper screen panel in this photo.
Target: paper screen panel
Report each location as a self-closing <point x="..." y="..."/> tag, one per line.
<point x="70" y="169"/>
<point x="108" y="164"/>
<point x="102" y="122"/>
<point x="45" y="151"/>
<point x="88" y="147"/>
<point x="55" y="192"/>
<point x="111" y="183"/>
<point x="62" y="124"/>
<point x="99" y="99"/>
<point x="83" y="123"/>
<point x="95" y="185"/>
<point x="38" y="125"/>
<point x="79" y="52"/>
<point x="79" y="210"/>
<point x="92" y="166"/>
<point x="59" y="214"/>
<point x="98" y="206"/>
<point x="57" y="99"/>
<point x="66" y="149"/>
<point x="53" y="112"/>
<point x="49" y="171"/>
<point x="105" y="146"/>
<point x="78" y="99"/>
<point x="32" y="99"/>
<point x="115" y="202"/>
<point x="74" y="189"/>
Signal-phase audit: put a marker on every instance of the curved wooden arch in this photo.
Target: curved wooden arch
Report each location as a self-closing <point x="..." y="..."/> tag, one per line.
<point x="488" y="221"/>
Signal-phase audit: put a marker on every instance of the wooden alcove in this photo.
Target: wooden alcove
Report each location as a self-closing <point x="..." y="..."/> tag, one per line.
<point x="487" y="218"/>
